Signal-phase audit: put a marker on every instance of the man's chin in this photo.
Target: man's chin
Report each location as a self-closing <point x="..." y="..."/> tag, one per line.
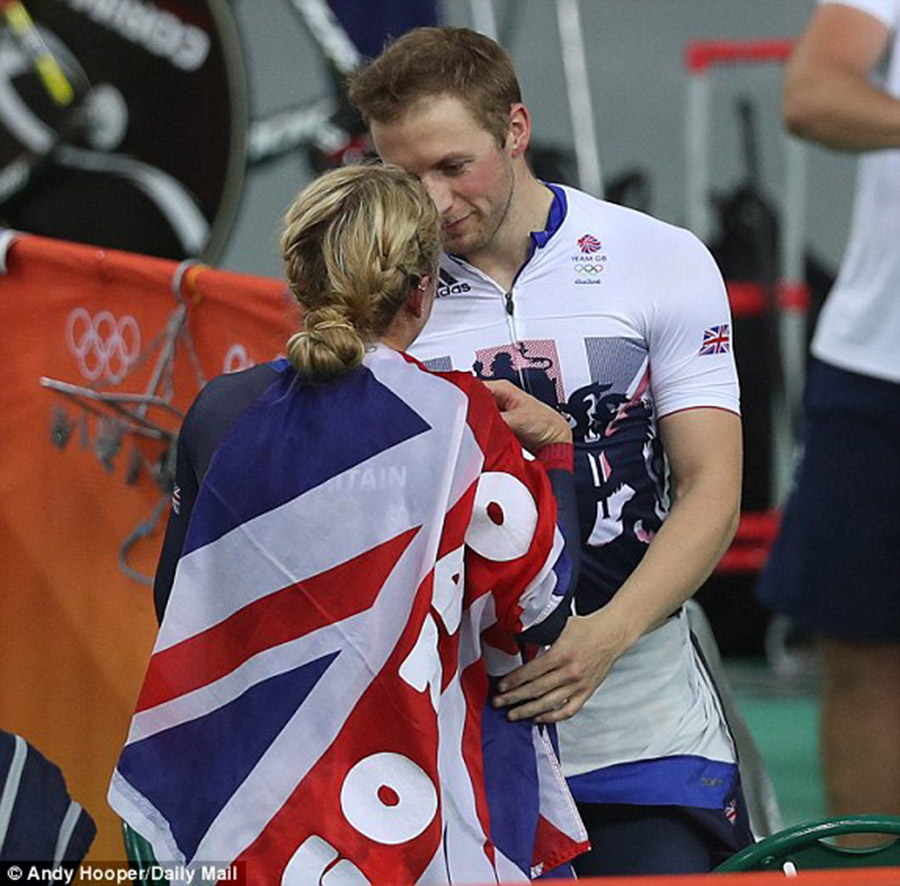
<point x="460" y="244"/>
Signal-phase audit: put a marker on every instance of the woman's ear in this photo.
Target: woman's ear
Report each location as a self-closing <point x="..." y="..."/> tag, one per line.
<point x="426" y="283"/>
<point x="417" y="300"/>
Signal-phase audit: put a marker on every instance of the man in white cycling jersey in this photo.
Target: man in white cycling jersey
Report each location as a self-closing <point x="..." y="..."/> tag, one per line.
<point x="621" y="322"/>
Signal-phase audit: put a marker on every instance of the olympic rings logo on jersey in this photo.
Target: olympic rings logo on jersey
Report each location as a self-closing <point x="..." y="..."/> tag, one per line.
<point x="103" y="346"/>
<point x="588" y="268"/>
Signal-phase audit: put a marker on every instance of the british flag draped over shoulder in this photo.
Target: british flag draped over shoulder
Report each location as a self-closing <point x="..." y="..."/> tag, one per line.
<point x="358" y="560"/>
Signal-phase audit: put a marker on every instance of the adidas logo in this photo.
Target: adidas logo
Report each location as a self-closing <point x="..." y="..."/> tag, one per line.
<point x="449" y="285"/>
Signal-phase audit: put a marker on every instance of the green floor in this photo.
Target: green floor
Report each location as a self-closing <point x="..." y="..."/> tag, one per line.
<point x="782" y="715"/>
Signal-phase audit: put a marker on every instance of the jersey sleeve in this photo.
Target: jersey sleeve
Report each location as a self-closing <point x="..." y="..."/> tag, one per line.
<point x="184" y="495"/>
<point x="514" y="546"/>
<point x="690" y="335"/>
<point x="211" y="415"/>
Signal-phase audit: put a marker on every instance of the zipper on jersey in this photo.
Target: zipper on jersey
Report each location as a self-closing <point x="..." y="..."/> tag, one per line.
<point x="509" y="309"/>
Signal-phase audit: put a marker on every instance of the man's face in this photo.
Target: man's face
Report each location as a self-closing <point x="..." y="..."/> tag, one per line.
<point x="468" y="175"/>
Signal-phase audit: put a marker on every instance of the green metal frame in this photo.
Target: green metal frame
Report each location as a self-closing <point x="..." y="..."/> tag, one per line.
<point x="803" y="846"/>
<point x="138" y="852"/>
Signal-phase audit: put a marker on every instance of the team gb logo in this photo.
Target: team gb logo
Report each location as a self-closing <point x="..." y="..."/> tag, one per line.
<point x="589" y="243"/>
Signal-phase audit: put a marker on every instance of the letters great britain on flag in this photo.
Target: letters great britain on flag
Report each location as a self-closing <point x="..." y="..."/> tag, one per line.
<point x="358" y="560"/>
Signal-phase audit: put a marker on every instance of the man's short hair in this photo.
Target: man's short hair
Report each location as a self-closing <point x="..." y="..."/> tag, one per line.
<point x="429" y="62"/>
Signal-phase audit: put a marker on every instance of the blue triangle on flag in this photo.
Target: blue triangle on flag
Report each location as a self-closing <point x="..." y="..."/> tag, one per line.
<point x="190" y="771"/>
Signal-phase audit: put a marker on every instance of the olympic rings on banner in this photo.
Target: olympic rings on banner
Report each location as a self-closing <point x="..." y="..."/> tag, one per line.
<point x="102" y="345"/>
<point x="236" y="359"/>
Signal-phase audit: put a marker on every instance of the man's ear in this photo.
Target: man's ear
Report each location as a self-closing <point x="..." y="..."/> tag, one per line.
<point x="519" y="136"/>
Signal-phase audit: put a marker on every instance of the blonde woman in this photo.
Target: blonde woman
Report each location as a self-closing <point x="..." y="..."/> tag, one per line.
<point x="359" y="551"/>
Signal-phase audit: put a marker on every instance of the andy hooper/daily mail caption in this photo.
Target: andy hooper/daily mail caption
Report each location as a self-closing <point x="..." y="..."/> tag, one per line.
<point x="27" y="872"/>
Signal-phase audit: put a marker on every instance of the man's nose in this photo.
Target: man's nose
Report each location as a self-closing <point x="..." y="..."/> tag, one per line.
<point x="439" y="191"/>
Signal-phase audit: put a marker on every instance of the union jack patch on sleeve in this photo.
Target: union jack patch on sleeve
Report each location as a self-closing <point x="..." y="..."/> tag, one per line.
<point x="716" y="340"/>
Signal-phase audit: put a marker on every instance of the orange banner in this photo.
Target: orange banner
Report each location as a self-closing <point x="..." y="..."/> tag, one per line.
<point x="123" y="343"/>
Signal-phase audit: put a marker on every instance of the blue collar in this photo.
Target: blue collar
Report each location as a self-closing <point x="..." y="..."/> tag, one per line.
<point x="555" y="218"/>
<point x="539" y="239"/>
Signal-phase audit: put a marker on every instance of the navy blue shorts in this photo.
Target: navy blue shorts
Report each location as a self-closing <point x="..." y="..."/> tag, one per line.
<point x="632" y="840"/>
<point x="835" y="565"/>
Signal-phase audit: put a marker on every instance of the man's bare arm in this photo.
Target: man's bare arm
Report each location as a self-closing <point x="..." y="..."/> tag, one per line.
<point x="704" y="451"/>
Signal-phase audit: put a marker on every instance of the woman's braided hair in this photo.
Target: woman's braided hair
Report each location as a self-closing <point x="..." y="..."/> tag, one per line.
<point x="356" y="240"/>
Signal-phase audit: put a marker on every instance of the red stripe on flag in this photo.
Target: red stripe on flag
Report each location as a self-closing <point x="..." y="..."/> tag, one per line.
<point x="275" y="619"/>
<point x="553" y="847"/>
<point x="390" y="717"/>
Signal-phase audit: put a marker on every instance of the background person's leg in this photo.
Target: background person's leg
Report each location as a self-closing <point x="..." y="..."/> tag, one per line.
<point x="860" y="726"/>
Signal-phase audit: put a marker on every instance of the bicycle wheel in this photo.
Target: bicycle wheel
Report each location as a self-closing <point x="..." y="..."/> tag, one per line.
<point x="148" y="152"/>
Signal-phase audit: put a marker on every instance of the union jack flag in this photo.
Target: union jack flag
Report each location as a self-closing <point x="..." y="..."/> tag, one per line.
<point x="589" y="243"/>
<point x="316" y="705"/>
<point x="731" y="811"/>
<point x="716" y="340"/>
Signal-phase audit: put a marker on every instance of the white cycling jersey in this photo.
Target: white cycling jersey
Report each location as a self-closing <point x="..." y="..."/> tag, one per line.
<point x="616" y="319"/>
